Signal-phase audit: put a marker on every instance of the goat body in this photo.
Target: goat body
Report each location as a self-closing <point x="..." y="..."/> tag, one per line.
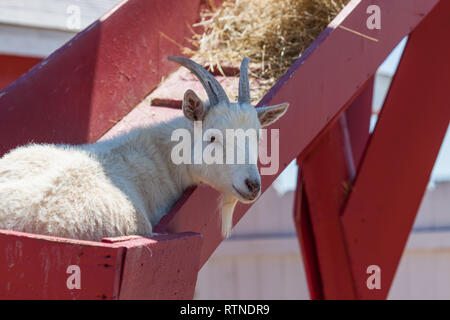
<point x="124" y="185"/>
<point x="117" y="187"/>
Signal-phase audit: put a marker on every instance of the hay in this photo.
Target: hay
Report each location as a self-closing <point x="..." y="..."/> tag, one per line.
<point x="272" y="33"/>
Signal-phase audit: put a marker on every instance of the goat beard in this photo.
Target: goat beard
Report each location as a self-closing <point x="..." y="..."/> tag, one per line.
<point x="228" y="202"/>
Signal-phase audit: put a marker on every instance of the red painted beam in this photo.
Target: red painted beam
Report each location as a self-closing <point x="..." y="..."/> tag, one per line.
<point x="327" y="180"/>
<point x="82" y="89"/>
<point x="397" y="165"/>
<point x="319" y="86"/>
<point x="165" y="267"/>
<point x="305" y="234"/>
<point x="326" y="174"/>
<point x="37" y="267"/>
<point x="12" y="67"/>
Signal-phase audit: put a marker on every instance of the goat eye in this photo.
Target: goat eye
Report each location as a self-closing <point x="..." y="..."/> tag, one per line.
<point x="212" y="139"/>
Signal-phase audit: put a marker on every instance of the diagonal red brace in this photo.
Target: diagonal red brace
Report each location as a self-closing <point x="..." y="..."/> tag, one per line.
<point x="397" y="165"/>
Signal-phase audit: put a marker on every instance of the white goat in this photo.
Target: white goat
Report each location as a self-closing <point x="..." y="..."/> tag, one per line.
<point x="123" y="186"/>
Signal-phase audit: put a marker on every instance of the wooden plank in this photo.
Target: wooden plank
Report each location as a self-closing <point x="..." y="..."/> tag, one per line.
<point x="81" y="90"/>
<point x="36" y="267"/>
<point x="327" y="180"/>
<point x="163" y="267"/>
<point x="302" y="220"/>
<point x="319" y="86"/>
<point x="397" y="165"/>
<point x="171" y="91"/>
<point x="328" y="172"/>
<point x="133" y="267"/>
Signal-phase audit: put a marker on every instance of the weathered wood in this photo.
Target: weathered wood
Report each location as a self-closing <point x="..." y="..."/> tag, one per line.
<point x="164" y="267"/>
<point x="36" y="267"/>
<point x="171" y="90"/>
<point x="328" y="171"/>
<point x="303" y="225"/>
<point x="327" y="181"/>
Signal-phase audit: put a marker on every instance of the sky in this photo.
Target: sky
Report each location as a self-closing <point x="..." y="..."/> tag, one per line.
<point x="441" y="171"/>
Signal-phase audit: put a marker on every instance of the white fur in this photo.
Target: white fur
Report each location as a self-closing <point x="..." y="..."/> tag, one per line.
<point x="228" y="202"/>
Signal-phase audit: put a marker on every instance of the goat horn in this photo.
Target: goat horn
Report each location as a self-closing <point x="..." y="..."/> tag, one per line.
<point x="244" y="86"/>
<point x="212" y="87"/>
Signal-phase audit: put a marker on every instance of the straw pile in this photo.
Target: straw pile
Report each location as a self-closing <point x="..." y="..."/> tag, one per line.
<point x="272" y="33"/>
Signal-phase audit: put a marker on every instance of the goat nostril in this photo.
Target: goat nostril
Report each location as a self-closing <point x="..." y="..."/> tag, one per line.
<point x="252" y="185"/>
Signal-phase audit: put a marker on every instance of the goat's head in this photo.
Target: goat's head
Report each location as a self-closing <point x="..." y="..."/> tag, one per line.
<point x="237" y="180"/>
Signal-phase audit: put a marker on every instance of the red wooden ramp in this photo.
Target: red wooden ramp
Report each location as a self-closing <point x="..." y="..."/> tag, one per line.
<point x="357" y="195"/>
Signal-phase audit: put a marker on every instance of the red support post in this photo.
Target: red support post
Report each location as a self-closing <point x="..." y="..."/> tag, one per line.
<point x="396" y="168"/>
<point x="302" y="220"/>
<point x="326" y="182"/>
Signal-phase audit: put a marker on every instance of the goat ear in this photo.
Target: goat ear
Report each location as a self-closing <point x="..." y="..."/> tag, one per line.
<point x="268" y="115"/>
<point x="193" y="107"/>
